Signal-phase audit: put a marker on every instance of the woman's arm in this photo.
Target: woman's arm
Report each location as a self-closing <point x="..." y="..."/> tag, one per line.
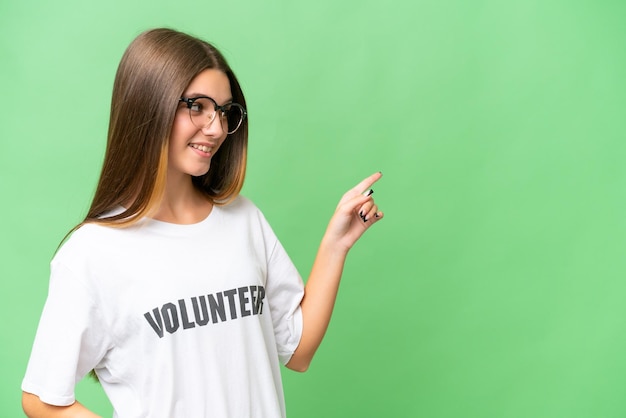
<point x="35" y="408"/>
<point x="355" y="213"/>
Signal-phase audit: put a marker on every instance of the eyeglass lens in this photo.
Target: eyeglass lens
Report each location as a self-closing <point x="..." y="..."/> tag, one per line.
<point x="202" y="113"/>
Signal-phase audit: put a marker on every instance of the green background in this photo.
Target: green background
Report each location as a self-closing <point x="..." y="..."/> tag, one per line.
<point x="495" y="285"/>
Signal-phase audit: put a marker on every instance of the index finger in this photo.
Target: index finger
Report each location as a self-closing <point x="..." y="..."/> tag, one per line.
<point x="367" y="182"/>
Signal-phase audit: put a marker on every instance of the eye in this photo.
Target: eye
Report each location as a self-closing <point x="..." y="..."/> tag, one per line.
<point x="196" y="106"/>
<point x="224" y="111"/>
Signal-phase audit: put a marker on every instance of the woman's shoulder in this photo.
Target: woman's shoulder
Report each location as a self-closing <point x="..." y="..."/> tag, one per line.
<point x="242" y="208"/>
<point x="88" y="240"/>
<point x="240" y="205"/>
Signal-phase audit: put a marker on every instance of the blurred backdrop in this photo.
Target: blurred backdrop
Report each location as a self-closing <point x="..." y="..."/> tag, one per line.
<point x="495" y="285"/>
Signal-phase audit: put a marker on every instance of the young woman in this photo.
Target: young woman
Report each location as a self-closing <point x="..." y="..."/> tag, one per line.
<point x="174" y="289"/>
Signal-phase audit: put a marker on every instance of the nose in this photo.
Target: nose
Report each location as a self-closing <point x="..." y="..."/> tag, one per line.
<point x="214" y="128"/>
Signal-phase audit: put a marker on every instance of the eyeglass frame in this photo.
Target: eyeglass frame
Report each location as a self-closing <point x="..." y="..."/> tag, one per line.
<point x="189" y="101"/>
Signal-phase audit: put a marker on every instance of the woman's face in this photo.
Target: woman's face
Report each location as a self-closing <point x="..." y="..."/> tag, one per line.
<point x="191" y="148"/>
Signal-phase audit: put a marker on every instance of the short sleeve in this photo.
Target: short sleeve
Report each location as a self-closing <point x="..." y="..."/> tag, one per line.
<point x="71" y="339"/>
<point x="285" y="291"/>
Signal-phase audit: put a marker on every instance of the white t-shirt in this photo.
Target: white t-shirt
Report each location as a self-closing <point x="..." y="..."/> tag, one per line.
<point x="177" y="320"/>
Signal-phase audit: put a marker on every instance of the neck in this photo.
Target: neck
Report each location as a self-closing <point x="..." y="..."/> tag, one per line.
<point x="182" y="203"/>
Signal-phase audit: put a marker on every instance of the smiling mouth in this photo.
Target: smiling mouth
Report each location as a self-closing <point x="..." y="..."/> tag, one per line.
<point x="202" y="148"/>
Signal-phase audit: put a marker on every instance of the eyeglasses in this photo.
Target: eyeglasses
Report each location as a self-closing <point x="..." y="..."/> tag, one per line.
<point x="203" y="109"/>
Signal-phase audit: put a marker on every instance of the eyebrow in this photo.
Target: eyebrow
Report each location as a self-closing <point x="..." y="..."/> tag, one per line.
<point x="194" y="95"/>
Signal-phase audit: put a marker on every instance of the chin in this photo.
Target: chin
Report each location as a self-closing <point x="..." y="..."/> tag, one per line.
<point x="198" y="173"/>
